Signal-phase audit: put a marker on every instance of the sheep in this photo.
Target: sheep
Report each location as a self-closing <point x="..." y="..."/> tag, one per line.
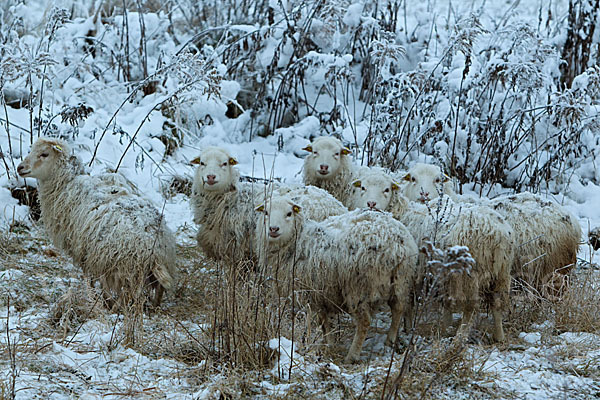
<point x="117" y="237"/>
<point x="224" y="208"/>
<point x="328" y="166"/>
<point x="352" y="262"/>
<point x="546" y="235"/>
<point x="479" y="228"/>
<point x="422" y="182"/>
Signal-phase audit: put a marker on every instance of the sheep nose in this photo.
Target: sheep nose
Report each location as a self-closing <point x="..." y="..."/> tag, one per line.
<point x="211" y="177"/>
<point x="274" y="229"/>
<point x="324" y="167"/>
<point x="20" y="168"/>
<point x="371" y="204"/>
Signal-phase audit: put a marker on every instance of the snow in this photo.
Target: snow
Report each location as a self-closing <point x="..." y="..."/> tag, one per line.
<point x="519" y="43"/>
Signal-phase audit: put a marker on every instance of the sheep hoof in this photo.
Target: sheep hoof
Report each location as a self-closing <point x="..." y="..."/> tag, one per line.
<point x="352" y="359"/>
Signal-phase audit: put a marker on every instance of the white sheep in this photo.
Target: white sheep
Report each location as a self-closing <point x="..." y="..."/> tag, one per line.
<point x="117" y="237"/>
<point x="423" y="182"/>
<point x="482" y="230"/>
<point x="352" y="262"/>
<point x="329" y="166"/>
<point x="224" y="208"/>
<point x="546" y="235"/>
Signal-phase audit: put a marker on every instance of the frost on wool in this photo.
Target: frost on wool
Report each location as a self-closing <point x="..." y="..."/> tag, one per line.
<point x="479" y="228"/>
<point x="546" y="240"/>
<point x="352" y="262"/>
<point x="117" y="237"/>
<point x="329" y="167"/>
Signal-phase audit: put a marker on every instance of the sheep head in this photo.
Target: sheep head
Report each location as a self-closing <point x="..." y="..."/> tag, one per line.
<point x="423" y="182"/>
<point x="374" y="189"/>
<point x="46" y="155"/>
<point x="279" y="218"/>
<point x="326" y="156"/>
<point x="216" y="170"/>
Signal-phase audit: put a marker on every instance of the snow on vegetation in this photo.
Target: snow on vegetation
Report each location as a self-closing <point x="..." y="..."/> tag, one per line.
<point x="494" y="98"/>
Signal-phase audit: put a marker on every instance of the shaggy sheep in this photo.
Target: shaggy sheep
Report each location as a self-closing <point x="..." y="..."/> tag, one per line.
<point x="224" y="208"/>
<point x="329" y="167"/>
<point x="115" y="235"/>
<point x="352" y="262"/>
<point x="546" y="235"/>
<point x="422" y="182"/>
<point x="546" y="240"/>
<point x="479" y="228"/>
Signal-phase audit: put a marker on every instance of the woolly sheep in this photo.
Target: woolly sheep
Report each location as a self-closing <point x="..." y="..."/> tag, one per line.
<point x="328" y="166"/>
<point x="115" y="235"/>
<point x="224" y="208"/>
<point x="352" y="262"/>
<point x="546" y="235"/>
<point x="482" y="230"/>
<point x="423" y="181"/>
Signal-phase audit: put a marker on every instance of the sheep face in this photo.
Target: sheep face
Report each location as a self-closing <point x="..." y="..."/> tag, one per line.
<point x="215" y="170"/>
<point x="423" y="182"/>
<point x="325" y="158"/>
<point x="279" y="218"/>
<point x="373" y="191"/>
<point x="43" y="159"/>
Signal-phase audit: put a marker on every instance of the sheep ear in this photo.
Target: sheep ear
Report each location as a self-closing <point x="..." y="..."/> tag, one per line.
<point x="445" y="178"/>
<point x="296" y="209"/>
<point x="407" y="177"/>
<point x="232" y="161"/>
<point x="357" y="183"/>
<point x="260" y="208"/>
<point x="195" y="161"/>
<point x="395" y="186"/>
<point x="345" y="151"/>
<point x="308" y="148"/>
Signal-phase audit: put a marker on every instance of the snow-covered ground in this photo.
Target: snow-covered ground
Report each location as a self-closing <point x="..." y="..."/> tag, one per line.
<point x="48" y="354"/>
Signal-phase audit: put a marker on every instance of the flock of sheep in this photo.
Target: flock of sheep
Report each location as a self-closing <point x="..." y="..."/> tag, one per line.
<point x="349" y="238"/>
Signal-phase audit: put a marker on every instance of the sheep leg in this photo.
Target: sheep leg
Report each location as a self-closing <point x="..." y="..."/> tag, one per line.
<point x="159" y="291"/>
<point x="362" y="320"/>
<point x="396" y="308"/>
<point x="324" y="320"/>
<point x="467" y="320"/>
<point x="446" y="320"/>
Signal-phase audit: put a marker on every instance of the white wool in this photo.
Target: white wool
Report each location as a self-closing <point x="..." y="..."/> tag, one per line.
<point x="329" y="167"/>
<point x="547" y="239"/>
<point x="118" y="237"/>
<point x="352" y="262"/>
<point x="479" y="228"/>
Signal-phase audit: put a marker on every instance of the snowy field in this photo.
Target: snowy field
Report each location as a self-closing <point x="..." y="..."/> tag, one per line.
<point x="487" y="89"/>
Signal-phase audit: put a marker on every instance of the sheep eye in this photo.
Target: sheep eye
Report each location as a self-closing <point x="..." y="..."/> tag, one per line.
<point x="44" y="155"/>
<point x="266" y="213"/>
<point x="202" y="163"/>
<point x="386" y="190"/>
<point x="413" y="179"/>
<point x="437" y="180"/>
<point x="337" y="154"/>
<point x="224" y="164"/>
<point x="289" y="214"/>
<point x="363" y="188"/>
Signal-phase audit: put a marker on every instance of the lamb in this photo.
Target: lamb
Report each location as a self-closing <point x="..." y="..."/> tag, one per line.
<point x="482" y="230"/>
<point x="224" y="208"/>
<point x="546" y="235"/>
<point x="117" y="237"/>
<point x="328" y="166"/>
<point x="352" y="262"/>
